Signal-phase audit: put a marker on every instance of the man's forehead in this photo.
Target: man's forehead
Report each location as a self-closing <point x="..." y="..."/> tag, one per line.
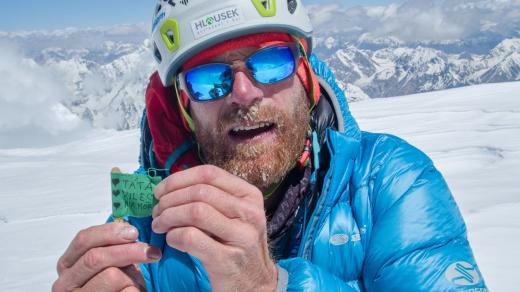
<point x="235" y="54"/>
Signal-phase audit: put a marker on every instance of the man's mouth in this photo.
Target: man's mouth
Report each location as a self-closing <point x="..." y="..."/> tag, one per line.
<point x="249" y="133"/>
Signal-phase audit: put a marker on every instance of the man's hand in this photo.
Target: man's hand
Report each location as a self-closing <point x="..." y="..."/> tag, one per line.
<point x="220" y="219"/>
<point x="104" y="258"/>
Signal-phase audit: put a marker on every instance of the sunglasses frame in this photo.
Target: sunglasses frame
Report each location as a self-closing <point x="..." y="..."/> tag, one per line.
<point x="295" y="48"/>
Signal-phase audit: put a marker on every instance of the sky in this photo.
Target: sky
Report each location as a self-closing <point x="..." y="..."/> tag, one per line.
<point x="56" y="14"/>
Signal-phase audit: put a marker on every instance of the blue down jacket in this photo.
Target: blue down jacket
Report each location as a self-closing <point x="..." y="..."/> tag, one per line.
<point x="385" y="221"/>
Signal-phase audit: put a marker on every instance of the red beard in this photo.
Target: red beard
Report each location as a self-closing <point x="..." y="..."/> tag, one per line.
<point x="266" y="162"/>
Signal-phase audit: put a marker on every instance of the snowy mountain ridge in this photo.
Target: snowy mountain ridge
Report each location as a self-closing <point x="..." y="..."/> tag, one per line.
<point x="110" y="94"/>
<point x="375" y="51"/>
<point x="404" y="70"/>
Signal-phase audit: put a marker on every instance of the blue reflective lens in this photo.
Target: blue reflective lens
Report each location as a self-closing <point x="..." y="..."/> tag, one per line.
<point x="213" y="81"/>
<point x="271" y="65"/>
<point x="209" y="82"/>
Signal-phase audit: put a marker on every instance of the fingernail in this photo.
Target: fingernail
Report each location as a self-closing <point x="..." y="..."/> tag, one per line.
<point x="156" y="191"/>
<point x="129" y="233"/>
<point x="154" y="225"/>
<point x="154" y="253"/>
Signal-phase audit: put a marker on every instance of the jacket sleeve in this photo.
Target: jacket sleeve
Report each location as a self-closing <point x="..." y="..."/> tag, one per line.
<point x="418" y="240"/>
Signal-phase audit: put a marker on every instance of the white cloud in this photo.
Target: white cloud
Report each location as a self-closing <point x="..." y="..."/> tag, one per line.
<point x="321" y="14"/>
<point x="422" y="20"/>
<point x="94" y="40"/>
<point x="31" y="114"/>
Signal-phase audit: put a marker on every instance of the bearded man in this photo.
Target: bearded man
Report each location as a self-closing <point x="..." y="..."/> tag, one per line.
<point x="269" y="184"/>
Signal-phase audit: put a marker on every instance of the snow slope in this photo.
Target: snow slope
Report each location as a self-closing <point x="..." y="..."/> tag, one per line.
<point x="48" y="195"/>
<point x="472" y="134"/>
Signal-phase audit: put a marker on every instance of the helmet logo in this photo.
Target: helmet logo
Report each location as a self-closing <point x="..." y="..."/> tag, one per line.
<point x="170" y="34"/>
<point x="216" y="21"/>
<point x="158" y="8"/>
<point x="266" y="8"/>
<point x="172" y="2"/>
<point x="157" y="20"/>
<point x="463" y="274"/>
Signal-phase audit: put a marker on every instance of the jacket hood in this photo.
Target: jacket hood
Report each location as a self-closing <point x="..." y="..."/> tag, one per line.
<point x="345" y="121"/>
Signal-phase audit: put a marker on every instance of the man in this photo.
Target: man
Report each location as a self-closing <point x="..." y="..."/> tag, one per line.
<point x="268" y="182"/>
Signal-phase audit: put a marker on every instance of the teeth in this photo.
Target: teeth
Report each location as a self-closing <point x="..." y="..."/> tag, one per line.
<point x="249" y="128"/>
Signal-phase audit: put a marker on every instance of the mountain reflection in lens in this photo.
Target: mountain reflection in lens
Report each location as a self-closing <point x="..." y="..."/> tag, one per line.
<point x="272" y="65"/>
<point x="209" y="82"/>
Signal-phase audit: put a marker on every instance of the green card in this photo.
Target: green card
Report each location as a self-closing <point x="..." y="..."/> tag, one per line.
<point x="132" y="194"/>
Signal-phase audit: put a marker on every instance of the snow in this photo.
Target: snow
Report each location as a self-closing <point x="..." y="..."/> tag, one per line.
<point x="472" y="134"/>
<point x="48" y="195"/>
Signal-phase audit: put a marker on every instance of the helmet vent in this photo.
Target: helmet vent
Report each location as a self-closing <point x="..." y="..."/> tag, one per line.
<point x="158" y="9"/>
<point x="156" y="53"/>
<point x="266" y="8"/>
<point x="171" y="36"/>
<point x="292" y="5"/>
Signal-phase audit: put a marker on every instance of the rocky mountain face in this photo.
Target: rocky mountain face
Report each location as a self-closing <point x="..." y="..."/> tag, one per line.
<point x="109" y="95"/>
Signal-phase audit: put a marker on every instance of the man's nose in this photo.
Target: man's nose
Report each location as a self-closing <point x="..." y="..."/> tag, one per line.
<point x="245" y="92"/>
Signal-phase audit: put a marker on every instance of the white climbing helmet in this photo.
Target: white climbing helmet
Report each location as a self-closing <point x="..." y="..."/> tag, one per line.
<point x="183" y="28"/>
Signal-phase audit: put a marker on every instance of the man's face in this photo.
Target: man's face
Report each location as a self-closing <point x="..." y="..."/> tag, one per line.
<point x="258" y="131"/>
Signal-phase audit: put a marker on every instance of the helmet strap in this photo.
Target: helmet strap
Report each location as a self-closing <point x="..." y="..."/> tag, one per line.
<point x="310" y="74"/>
<point x="187" y="118"/>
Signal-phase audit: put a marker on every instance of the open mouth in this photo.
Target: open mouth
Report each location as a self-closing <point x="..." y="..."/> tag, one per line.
<point x="252" y="132"/>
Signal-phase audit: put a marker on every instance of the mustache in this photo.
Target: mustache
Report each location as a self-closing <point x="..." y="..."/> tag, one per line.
<point x="252" y="114"/>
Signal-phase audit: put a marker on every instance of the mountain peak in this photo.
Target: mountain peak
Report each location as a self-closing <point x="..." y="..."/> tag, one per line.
<point x="507" y="46"/>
